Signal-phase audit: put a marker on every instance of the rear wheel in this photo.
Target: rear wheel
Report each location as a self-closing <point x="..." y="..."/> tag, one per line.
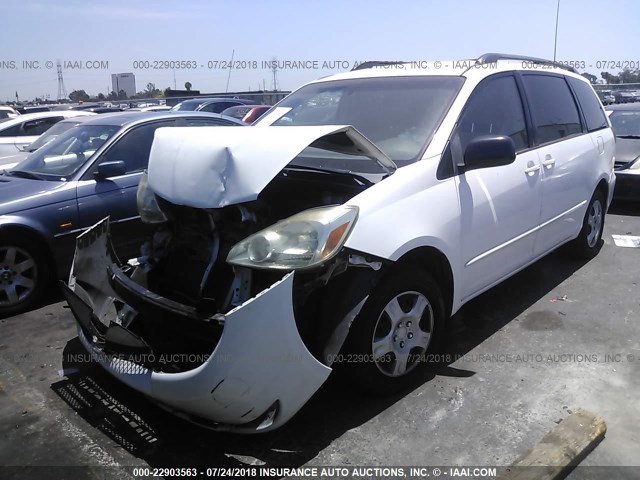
<point x="23" y="274"/>
<point x="588" y="243"/>
<point x="398" y="326"/>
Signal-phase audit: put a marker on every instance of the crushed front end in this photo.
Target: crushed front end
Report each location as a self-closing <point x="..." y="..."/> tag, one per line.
<point x="246" y="370"/>
<point x="243" y="294"/>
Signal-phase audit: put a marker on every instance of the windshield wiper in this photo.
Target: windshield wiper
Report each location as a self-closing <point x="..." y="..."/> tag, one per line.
<point x="628" y="136"/>
<point x="25" y="174"/>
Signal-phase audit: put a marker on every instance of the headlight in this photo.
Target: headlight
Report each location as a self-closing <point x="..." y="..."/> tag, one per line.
<point x="304" y="240"/>
<point x="635" y="165"/>
<point x="147" y="203"/>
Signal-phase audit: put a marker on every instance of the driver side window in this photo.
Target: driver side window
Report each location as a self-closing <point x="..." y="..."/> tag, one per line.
<point x="495" y="108"/>
<point x="134" y="147"/>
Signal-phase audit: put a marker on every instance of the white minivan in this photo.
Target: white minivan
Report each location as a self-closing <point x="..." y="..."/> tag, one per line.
<point x="345" y="227"/>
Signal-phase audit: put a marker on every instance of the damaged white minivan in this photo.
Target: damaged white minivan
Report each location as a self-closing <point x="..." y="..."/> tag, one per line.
<point x="345" y="227"/>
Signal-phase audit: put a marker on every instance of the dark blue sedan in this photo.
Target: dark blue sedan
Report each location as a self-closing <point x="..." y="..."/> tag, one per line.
<point x="87" y="173"/>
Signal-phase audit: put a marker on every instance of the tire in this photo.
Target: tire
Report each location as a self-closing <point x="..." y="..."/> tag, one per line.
<point x="24" y="274"/>
<point x="588" y="243"/>
<point x="387" y="348"/>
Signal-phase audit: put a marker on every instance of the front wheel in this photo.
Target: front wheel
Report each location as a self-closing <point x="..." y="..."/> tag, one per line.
<point x="588" y="243"/>
<point x="23" y="273"/>
<point x="399" y="325"/>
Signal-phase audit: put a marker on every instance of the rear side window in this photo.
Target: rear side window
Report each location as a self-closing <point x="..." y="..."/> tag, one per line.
<point x="555" y="114"/>
<point x="591" y="108"/>
<point x="494" y="108"/>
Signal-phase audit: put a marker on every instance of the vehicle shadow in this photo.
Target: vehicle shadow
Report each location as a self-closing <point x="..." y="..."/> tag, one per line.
<point x="625" y="207"/>
<point x="163" y="440"/>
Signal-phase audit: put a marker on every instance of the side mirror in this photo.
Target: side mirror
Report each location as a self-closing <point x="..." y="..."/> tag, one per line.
<point x="110" y="169"/>
<point x="489" y="151"/>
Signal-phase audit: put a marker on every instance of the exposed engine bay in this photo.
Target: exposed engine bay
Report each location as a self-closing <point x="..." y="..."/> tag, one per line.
<point x="185" y="258"/>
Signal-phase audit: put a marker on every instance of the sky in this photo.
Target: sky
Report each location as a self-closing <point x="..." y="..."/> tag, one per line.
<point x="127" y="34"/>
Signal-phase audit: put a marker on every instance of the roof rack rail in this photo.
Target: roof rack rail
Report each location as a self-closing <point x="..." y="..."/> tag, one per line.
<point x="494" y="57"/>
<point x="376" y="63"/>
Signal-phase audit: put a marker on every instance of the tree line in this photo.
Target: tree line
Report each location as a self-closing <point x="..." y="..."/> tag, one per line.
<point x="150" y="92"/>
<point x="625" y="76"/>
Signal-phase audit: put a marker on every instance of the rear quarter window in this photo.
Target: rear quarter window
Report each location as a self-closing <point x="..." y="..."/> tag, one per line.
<point x="591" y="108"/>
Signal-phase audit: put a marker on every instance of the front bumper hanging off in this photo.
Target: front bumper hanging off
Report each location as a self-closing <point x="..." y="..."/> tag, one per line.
<point x="258" y="375"/>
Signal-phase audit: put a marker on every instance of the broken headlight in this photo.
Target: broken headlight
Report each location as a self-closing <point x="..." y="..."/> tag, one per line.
<point x="147" y="203"/>
<point x="304" y="240"/>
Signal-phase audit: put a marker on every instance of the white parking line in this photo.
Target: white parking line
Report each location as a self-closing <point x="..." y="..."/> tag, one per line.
<point x="628" y="241"/>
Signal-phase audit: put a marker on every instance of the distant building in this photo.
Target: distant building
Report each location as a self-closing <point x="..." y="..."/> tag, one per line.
<point x="124" y="81"/>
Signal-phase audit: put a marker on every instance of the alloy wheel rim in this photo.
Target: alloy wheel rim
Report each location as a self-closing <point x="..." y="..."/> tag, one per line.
<point x="402" y="333"/>
<point x="18" y="275"/>
<point x="594" y="220"/>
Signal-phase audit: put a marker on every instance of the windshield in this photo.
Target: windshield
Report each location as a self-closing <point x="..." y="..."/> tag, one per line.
<point x="625" y="123"/>
<point x="58" y="129"/>
<point x="398" y="114"/>
<point x="64" y="155"/>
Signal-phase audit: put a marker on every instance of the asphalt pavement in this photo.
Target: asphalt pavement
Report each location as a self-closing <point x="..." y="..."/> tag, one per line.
<point x="558" y="336"/>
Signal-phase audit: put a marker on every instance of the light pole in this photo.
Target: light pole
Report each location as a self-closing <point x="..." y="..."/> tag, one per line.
<point x="555" y="41"/>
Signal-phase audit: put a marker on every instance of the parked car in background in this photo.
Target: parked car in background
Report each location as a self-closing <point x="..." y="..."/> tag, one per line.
<point x="17" y="133"/>
<point x="606" y="97"/>
<point x="623" y="96"/>
<point x="159" y="103"/>
<point x="88" y="172"/>
<point x="625" y="121"/>
<point x="33" y="109"/>
<point x="345" y="226"/>
<point x="103" y="110"/>
<point x="76" y="106"/>
<point x="7" y="112"/>
<point x="213" y="105"/>
<point x="153" y="108"/>
<point x="247" y="113"/>
<point x="59" y="128"/>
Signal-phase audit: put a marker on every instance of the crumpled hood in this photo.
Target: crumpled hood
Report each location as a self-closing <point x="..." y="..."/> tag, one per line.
<point x="212" y="167"/>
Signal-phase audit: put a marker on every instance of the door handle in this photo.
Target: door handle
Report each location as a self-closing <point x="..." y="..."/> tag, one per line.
<point x="532" y="168"/>
<point x="549" y="161"/>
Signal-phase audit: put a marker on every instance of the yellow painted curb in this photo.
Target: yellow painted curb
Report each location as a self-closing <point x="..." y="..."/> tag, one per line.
<point x="560" y="450"/>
